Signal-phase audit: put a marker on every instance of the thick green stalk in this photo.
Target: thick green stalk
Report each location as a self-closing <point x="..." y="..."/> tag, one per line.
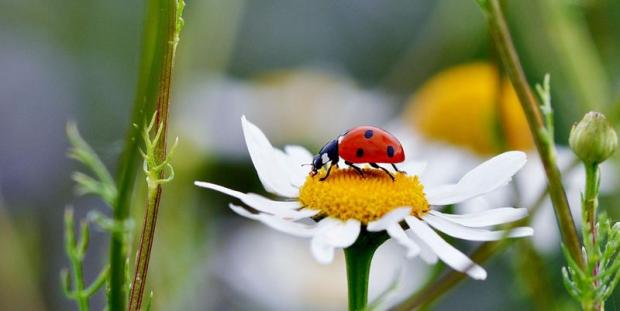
<point x="155" y="42"/>
<point x="544" y="143"/>
<point x="359" y="257"/>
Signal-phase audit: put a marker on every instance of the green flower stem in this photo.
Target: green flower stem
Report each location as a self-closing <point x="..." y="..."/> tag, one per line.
<point x="590" y="205"/>
<point x="591" y="197"/>
<point x="543" y="140"/>
<point x="159" y="26"/>
<point x="358" y="257"/>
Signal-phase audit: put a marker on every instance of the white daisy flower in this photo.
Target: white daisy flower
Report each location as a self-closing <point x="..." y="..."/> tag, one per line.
<point x="332" y="213"/>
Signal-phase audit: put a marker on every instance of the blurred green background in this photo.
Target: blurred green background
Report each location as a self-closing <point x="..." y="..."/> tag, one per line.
<point x="303" y="71"/>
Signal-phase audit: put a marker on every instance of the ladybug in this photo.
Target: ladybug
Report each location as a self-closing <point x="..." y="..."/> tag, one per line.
<point x="362" y="144"/>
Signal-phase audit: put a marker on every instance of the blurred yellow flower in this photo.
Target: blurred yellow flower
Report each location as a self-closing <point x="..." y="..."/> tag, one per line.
<point x="470" y="106"/>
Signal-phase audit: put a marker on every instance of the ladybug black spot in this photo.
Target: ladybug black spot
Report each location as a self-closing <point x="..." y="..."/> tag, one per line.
<point x="390" y="151"/>
<point x="368" y="134"/>
<point x="359" y="153"/>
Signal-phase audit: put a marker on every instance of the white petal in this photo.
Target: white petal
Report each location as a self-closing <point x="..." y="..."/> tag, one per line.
<point x="286" y="226"/>
<point x="426" y="253"/>
<point x="397" y="233"/>
<point x="284" y="209"/>
<point x="269" y="167"/>
<point x="338" y="233"/>
<point x="473" y="234"/>
<point x="485" y="178"/>
<point x="492" y="217"/>
<point x="294" y="159"/>
<point x="446" y="252"/>
<point x="298" y="154"/>
<point x="394" y="216"/>
<point x="333" y="233"/>
<point x="321" y="250"/>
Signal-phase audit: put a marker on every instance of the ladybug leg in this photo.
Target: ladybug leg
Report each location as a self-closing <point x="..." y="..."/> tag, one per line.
<point x="375" y="165"/>
<point x="326" y="175"/>
<point x="396" y="169"/>
<point x="359" y="170"/>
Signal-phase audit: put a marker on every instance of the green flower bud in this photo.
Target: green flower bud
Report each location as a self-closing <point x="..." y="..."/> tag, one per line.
<point x="593" y="139"/>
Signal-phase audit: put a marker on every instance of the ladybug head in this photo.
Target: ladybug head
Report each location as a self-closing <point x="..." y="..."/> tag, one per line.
<point x="317" y="163"/>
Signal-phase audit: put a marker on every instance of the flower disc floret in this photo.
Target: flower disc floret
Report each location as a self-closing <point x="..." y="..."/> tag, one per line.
<point x="348" y="195"/>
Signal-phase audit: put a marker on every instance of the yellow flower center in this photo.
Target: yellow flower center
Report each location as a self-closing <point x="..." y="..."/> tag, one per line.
<point x="471" y="106"/>
<point x="347" y="195"/>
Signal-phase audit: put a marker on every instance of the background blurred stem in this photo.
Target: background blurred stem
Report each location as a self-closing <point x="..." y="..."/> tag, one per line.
<point x="165" y="14"/>
<point x="158" y="27"/>
<point x="544" y="143"/>
<point x="575" y="50"/>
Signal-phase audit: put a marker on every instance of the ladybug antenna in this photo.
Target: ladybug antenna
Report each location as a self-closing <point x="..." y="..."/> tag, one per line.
<point x="306" y="164"/>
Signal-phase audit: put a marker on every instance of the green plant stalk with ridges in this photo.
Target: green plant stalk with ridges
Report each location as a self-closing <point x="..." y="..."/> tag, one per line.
<point x="155" y="158"/>
<point x="154" y="168"/>
<point x="152" y="87"/>
<point x="543" y="139"/>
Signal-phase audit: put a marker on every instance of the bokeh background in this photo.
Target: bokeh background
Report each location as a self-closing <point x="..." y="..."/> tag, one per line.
<point x="303" y="71"/>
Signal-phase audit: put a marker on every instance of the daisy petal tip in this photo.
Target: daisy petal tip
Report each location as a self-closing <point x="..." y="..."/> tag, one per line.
<point x="200" y="184"/>
<point x="241" y="211"/>
<point x="518" y="157"/>
<point x="373" y="226"/>
<point x="322" y="252"/>
<point x="477" y="273"/>
<point x="524" y="232"/>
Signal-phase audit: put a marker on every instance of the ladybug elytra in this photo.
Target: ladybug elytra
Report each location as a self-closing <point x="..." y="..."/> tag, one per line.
<point x="362" y="144"/>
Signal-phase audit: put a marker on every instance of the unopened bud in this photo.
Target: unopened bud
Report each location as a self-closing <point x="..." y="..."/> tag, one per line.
<point x="593" y="139"/>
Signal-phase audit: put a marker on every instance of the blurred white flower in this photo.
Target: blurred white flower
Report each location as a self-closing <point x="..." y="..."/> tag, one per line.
<point x="333" y="212"/>
<point x="324" y="103"/>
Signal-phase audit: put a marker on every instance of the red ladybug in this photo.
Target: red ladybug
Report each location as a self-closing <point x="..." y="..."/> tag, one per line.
<point x="362" y="144"/>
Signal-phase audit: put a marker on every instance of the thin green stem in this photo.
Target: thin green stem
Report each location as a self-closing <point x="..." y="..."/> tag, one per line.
<point x="169" y="23"/>
<point x="590" y="205"/>
<point x="98" y="282"/>
<point x="76" y="255"/>
<point x="591" y="196"/>
<point x="156" y="39"/>
<point x="146" y="243"/>
<point x="359" y="257"/>
<point x="544" y="142"/>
